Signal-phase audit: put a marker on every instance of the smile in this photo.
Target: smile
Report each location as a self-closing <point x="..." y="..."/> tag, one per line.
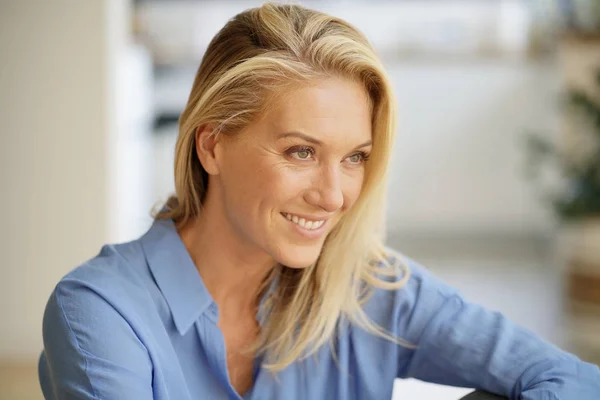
<point x="304" y="223"/>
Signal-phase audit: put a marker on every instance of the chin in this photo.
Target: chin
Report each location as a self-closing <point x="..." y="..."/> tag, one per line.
<point x="296" y="256"/>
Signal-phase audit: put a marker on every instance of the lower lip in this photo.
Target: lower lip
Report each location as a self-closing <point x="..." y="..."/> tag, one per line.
<point x="310" y="233"/>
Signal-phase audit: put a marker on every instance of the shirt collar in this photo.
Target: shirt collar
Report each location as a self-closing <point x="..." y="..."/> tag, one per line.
<point x="175" y="274"/>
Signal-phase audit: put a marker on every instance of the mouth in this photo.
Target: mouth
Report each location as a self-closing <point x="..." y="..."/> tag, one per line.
<point x="311" y="227"/>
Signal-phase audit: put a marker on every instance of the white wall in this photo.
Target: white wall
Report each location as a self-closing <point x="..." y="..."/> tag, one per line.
<point x="57" y="119"/>
<point x="458" y="161"/>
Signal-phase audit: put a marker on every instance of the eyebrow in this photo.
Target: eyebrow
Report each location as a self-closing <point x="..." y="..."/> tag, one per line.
<point x="311" y="139"/>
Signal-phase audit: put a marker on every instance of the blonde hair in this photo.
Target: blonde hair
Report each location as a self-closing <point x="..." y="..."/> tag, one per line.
<point x="255" y="56"/>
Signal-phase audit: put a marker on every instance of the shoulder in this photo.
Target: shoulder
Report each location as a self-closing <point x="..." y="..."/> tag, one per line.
<point x="418" y="280"/>
<point x="104" y="297"/>
<point x="117" y="270"/>
<point x="92" y="327"/>
<point x="406" y="311"/>
<point x="115" y="282"/>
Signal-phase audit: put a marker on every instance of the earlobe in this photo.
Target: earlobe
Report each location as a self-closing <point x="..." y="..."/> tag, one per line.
<point x="206" y="141"/>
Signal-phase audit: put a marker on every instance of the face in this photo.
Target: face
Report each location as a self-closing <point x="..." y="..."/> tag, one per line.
<point x="288" y="178"/>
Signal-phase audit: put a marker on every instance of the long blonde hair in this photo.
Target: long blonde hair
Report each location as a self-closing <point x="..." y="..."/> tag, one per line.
<point x="252" y="59"/>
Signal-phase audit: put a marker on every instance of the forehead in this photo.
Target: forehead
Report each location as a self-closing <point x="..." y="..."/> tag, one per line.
<point x="331" y="108"/>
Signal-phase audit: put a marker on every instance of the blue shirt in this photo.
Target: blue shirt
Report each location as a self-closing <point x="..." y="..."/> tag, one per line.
<point x="137" y="322"/>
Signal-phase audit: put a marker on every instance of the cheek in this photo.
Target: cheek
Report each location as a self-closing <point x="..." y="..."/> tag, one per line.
<point x="284" y="185"/>
<point x="263" y="186"/>
<point x="352" y="188"/>
<point x="244" y="183"/>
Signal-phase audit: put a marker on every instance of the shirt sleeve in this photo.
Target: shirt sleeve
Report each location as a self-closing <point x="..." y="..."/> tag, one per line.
<point x="460" y="343"/>
<point x="90" y="350"/>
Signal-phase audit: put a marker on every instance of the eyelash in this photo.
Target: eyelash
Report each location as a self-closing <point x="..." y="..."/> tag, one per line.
<point x="299" y="149"/>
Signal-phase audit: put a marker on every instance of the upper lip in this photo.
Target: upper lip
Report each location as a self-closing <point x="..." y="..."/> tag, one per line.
<point x="308" y="217"/>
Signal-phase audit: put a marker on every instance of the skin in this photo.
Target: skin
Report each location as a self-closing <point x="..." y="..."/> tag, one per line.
<point x="274" y="166"/>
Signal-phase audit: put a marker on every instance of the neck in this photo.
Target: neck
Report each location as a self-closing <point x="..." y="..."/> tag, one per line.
<point x="233" y="272"/>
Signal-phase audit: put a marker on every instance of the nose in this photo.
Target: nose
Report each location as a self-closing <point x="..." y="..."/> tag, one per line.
<point x="326" y="190"/>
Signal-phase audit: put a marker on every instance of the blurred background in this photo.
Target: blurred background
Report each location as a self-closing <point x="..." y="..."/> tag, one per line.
<point x="494" y="183"/>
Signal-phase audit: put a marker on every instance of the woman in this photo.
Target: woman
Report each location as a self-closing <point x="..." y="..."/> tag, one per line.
<point x="264" y="277"/>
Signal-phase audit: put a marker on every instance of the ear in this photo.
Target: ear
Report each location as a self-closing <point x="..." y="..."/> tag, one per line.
<point x="206" y="143"/>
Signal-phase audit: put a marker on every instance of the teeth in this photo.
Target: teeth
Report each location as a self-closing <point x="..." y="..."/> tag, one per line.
<point x="303" y="222"/>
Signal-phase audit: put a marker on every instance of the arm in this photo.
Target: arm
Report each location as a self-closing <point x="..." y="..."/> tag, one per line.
<point x="90" y="350"/>
<point x="464" y="344"/>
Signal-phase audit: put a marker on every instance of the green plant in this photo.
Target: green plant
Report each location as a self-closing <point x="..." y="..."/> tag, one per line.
<point x="578" y="159"/>
<point x="583" y="16"/>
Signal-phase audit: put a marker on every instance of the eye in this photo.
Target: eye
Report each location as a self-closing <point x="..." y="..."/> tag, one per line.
<point x="358" y="158"/>
<point x="301" y="152"/>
